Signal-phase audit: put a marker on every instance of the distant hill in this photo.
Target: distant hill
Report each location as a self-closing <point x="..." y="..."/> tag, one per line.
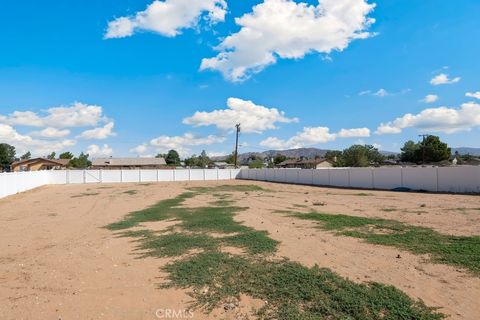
<point x="467" y="150"/>
<point x="314" y="152"/>
<point x="309" y="153"/>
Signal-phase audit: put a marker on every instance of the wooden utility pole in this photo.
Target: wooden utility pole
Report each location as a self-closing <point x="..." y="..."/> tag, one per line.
<point x="423" y="146"/>
<point x="236" y="146"/>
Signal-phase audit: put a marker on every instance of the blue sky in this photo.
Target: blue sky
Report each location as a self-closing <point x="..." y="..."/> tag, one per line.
<point x="126" y="78"/>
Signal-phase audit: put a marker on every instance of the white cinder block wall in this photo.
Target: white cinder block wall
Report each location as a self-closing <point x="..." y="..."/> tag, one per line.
<point x="462" y="179"/>
<point x="15" y="182"/>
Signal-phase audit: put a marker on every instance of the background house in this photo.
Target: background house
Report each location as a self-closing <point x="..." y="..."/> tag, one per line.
<point x="305" y="163"/>
<point x="38" y="164"/>
<point x="129" y="163"/>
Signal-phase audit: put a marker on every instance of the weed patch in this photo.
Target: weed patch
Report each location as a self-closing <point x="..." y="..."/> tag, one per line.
<point x="85" y="194"/>
<point x="455" y="250"/>
<point x="291" y="290"/>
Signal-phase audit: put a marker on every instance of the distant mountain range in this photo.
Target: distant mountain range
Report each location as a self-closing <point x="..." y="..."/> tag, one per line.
<point x="466" y="150"/>
<point x="311" y="153"/>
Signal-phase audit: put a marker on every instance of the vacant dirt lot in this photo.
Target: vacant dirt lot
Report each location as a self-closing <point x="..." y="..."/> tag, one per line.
<point x="58" y="262"/>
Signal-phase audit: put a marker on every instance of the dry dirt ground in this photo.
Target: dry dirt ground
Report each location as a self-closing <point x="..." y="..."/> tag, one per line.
<point x="58" y="262"/>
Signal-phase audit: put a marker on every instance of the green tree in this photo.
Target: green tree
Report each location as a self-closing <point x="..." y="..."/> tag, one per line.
<point x="279" y="158"/>
<point x="7" y="156"/>
<point x="360" y="156"/>
<point x="172" y="158"/>
<point x="66" y="155"/>
<point x="230" y="159"/>
<point x="81" y="162"/>
<point x="51" y="156"/>
<point x="191" y="162"/>
<point x="410" y="152"/>
<point x="333" y="155"/>
<point x="256" y="164"/>
<point x="434" y="150"/>
<point x="26" y="156"/>
<point x="203" y="160"/>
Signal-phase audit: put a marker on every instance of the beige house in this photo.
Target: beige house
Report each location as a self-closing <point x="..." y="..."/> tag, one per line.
<point x="128" y="163"/>
<point x="38" y="164"/>
<point x="306" y="164"/>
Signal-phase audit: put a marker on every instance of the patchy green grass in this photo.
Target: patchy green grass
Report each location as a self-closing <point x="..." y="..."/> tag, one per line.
<point x="229" y="188"/>
<point x="465" y="210"/>
<point x="363" y="194"/>
<point x="85" y="194"/>
<point x="389" y="209"/>
<point x="222" y="203"/>
<point x="461" y="251"/>
<point x="300" y="206"/>
<point x="131" y="192"/>
<point x="292" y="290"/>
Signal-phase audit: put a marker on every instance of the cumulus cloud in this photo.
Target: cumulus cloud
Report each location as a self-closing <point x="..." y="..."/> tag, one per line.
<point x="475" y="95"/>
<point x="181" y="144"/>
<point x="442" y="119"/>
<point x="443" y="78"/>
<point x="168" y="17"/>
<point x="354" y="133"/>
<point x="51" y="133"/>
<point x="253" y="118"/>
<point x="430" y="98"/>
<point x="96" y="151"/>
<point x="285" y="29"/>
<point x="140" y="149"/>
<point x="312" y="136"/>
<point x="99" y="133"/>
<point x="76" y="115"/>
<point x="24" y="143"/>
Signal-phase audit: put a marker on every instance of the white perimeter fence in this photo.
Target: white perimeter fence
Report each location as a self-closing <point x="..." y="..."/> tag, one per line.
<point x="464" y="179"/>
<point x="15" y="182"/>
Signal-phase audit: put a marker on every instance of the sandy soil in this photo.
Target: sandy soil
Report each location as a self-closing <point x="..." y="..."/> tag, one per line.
<point x="57" y="262"/>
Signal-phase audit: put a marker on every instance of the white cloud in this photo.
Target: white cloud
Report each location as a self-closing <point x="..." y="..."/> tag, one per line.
<point x="253" y="118"/>
<point x="381" y="93"/>
<point x="181" y="144"/>
<point x="76" y="115"/>
<point x="51" y="133"/>
<point x="312" y="136"/>
<point x="168" y="17"/>
<point x="286" y="29"/>
<point x="96" y="151"/>
<point x="443" y="78"/>
<point x="441" y="119"/>
<point x="216" y="154"/>
<point x="141" y="149"/>
<point x="475" y="95"/>
<point x="99" y="133"/>
<point x="354" y="133"/>
<point x="430" y="98"/>
<point x="24" y="143"/>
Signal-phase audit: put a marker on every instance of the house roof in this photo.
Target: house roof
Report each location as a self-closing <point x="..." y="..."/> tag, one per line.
<point x="126" y="162"/>
<point x="59" y="162"/>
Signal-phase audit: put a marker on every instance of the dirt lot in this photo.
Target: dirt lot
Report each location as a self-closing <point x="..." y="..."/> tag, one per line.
<point x="57" y="261"/>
